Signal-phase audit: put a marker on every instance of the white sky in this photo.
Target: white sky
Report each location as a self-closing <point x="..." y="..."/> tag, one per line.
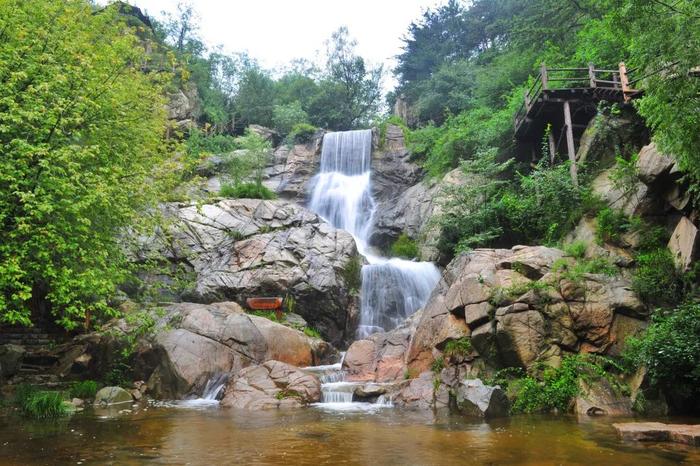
<point x="277" y="31"/>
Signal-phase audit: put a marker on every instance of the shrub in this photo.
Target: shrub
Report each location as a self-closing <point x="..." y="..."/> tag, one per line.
<point x="656" y="279"/>
<point x="670" y="350"/>
<point x="404" y="247"/>
<point x="286" y="117"/>
<point x="85" y="389"/>
<point x="611" y="225"/>
<point x="438" y="365"/>
<point x="199" y="143"/>
<point x="302" y="133"/>
<point x="554" y="388"/>
<point x="352" y="274"/>
<point x="577" y="249"/>
<point x="43" y="404"/>
<point x="246" y="191"/>
<point x="459" y="347"/>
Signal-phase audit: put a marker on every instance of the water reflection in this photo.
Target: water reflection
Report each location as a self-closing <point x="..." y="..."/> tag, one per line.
<point x="173" y="435"/>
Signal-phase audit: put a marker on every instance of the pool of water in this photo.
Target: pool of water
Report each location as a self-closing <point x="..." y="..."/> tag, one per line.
<point x="206" y="434"/>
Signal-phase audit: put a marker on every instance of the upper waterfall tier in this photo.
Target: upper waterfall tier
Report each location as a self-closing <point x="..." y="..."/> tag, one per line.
<point x="347" y="152"/>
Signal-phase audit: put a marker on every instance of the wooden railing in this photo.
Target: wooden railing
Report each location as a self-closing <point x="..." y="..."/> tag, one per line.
<point x="574" y="78"/>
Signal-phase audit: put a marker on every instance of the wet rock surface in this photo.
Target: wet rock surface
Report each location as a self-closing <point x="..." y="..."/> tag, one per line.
<point x="236" y="249"/>
<point x="271" y="385"/>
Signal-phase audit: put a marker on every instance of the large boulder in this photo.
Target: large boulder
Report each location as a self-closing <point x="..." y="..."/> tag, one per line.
<point x="241" y="248"/>
<point x="273" y="384"/>
<point x="112" y="396"/>
<point x="10" y="359"/>
<point x="684" y="243"/>
<point x="195" y="342"/>
<point x="381" y="357"/>
<point x="652" y="164"/>
<point x="298" y="163"/>
<point x="600" y="398"/>
<point x="423" y="392"/>
<point x="473" y="398"/>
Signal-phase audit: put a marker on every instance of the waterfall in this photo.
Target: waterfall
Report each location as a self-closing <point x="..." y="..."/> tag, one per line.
<point x="392" y="289"/>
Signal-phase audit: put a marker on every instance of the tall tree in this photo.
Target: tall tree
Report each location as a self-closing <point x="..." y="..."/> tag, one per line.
<point x="81" y="130"/>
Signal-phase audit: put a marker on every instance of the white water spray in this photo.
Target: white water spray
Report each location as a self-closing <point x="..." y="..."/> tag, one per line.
<point x="392" y="289"/>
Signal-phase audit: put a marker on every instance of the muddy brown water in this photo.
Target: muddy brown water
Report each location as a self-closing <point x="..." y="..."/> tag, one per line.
<point x="312" y="436"/>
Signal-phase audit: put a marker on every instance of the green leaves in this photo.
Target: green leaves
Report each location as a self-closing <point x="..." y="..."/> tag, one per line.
<point x="81" y="138"/>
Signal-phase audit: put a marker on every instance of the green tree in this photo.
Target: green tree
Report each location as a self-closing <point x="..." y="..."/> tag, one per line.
<point x="255" y="98"/>
<point x="285" y="117"/>
<point x="349" y="92"/>
<point x="82" y="152"/>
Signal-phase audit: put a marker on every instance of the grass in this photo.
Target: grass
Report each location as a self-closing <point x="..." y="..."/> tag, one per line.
<point x="85" y="389"/>
<point x="40" y="404"/>
<point x="246" y="191"/>
<point x="404" y="247"/>
<point x="460" y="347"/>
<point x="312" y="332"/>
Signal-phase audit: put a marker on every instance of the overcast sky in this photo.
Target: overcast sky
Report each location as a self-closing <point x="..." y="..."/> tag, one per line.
<point x="276" y="31"/>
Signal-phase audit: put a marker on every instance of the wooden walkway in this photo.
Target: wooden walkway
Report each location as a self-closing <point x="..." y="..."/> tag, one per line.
<point x="565" y="100"/>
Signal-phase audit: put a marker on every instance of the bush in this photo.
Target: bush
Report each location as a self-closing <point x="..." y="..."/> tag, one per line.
<point x="670" y="350"/>
<point x="554" y="388"/>
<point x="246" y="191"/>
<point x="85" y="389"/>
<point x="43" y="405"/>
<point x="656" y="279"/>
<point x="199" y="143"/>
<point x="287" y="117"/>
<point x="404" y="247"/>
<point x="577" y="249"/>
<point x="460" y="347"/>
<point x="352" y="274"/>
<point x="611" y="225"/>
<point x="301" y="133"/>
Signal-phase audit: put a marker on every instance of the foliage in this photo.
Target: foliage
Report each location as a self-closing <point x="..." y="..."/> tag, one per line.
<point x="255" y="97"/>
<point x="81" y="130"/>
<point x="656" y="279"/>
<point x="85" y="389"/>
<point x="246" y="191"/>
<point x="270" y="315"/>
<point x="352" y="274"/>
<point x="199" y="142"/>
<point x="624" y="175"/>
<point x="554" y="388"/>
<point x="543" y="206"/>
<point x="288" y="116"/>
<point x="312" y="332"/>
<point x="250" y="161"/>
<point x="41" y="404"/>
<point x="611" y="225"/>
<point x="438" y="365"/>
<point x="459" y="347"/>
<point x="670" y="350"/>
<point x="577" y="249"/>
<point x="349" y="92"/>
<point x="301" y="133"/>
<point x="404" y="247"/>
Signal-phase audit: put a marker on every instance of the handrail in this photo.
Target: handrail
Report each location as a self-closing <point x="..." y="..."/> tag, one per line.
<point x="591" y="76"/>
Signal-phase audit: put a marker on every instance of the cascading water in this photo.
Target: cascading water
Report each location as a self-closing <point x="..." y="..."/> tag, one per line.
<point x="392" y="289"/>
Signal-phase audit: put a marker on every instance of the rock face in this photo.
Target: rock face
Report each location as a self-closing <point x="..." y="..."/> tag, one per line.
<point x="295" y="168"/>
<point x="10" y="359"/>
<point x="112" y="396"/>
<point x="473" y="398"/>
<point x="684" y="243"/>
<point x="421" y="393"/>
<point x="380" y="357"/>
<point x="271" y="385"/>
<point x="412" y="211"/>
<point x="600" y="399"/>
<point x="236" y="249"/>
<point x="514" y="311"/>
<point x="196" y="342"/>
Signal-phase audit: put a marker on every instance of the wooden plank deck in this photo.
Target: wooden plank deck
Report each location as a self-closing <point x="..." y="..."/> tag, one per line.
<point x="579" y="86"/>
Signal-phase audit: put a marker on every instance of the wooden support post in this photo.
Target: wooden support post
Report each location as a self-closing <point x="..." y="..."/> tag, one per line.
<point x="543" y="74"/>
<point x="591" y="74"/>
<point x="527" y="101"/>
<point x="552" y="147"/>
<point x="570" y="142"/>
<point x="624" y="82"/>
